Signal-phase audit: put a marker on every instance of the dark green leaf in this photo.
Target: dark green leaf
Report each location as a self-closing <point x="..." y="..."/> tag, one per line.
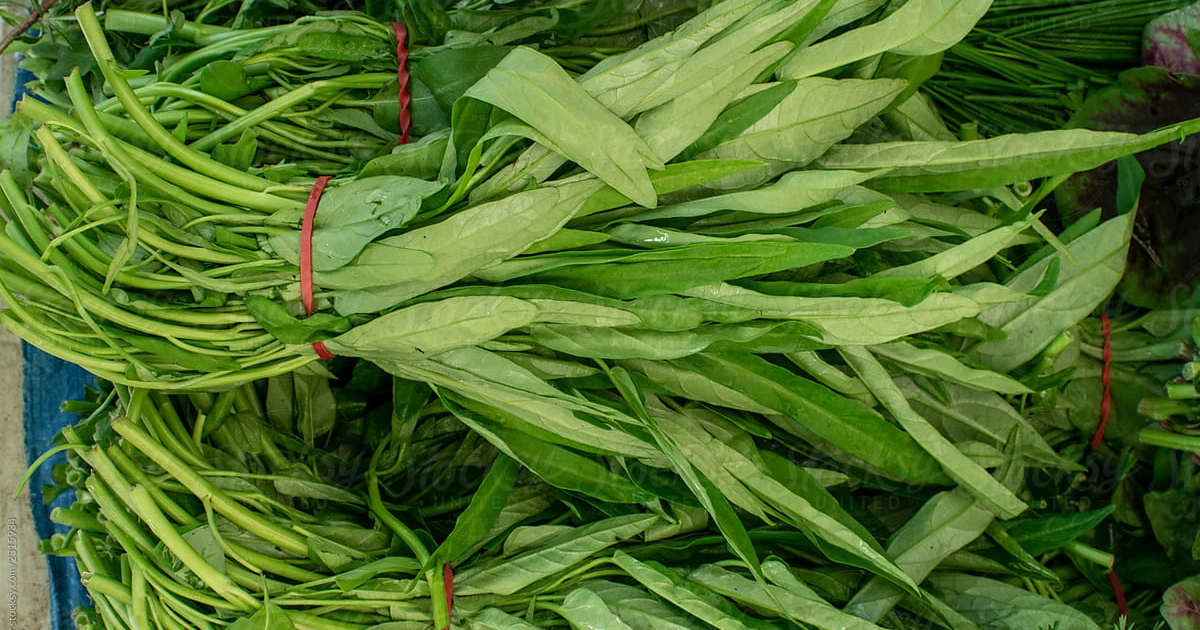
<point x="814" y="408"/>
<point x="559" y="554"/>
<point x="1040" y="534"/>
<point x="998" y="605"/>
<point x="740" y="117"/>
<point x="239" y="155"/>
<point x="274" y="317"/>
<point x="474" y="522"/>
<point x="675" y="270"/>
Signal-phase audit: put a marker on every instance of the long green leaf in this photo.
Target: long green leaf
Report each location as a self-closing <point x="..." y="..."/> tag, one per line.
<point x="805" y="606"/>
<point x="777" y="497"/>
<point x="584" y="610"/>
<point x="350" y="216"/>
<point x="695" y="599"/>
<point x="496" y="619"/>
<point x="946" y="523"/>
<point x="1082" y="284"/>
<point x="986" y="488"/>
<point x="466" y="241"/>
<point x="938" y="364"/>
<point x="1041" y="534"/>
<point x="672" y="126"/>
<point x="496" y="382"/>
<point x="998" y="161"/>
<point x="532" y="87"/>
<point x="961" y="258"/>
<point x="641" y="610"/>
<point x="510" y="575"/>
<point x="666" y="271"/>
<point x="792" y="193"/>
<point x="849" y="321"/>
<point x="918" y="27"/>
<point x="431" y="328"/>
<point x="994" y="604"/>
<point x="819" y="113"/>
<point x="481" y="513"/>
<point x="619" y="343"/>
<point x="968" y="414"/>
<point x="847" y="424"/>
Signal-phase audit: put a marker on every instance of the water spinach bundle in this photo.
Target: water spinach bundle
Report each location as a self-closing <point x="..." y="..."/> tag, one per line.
<point x="363" y="502"/>
<point x="657" y="277"/>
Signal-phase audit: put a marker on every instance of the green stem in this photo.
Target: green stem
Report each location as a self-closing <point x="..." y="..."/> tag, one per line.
<point x="439" y="605"/>
<point x="1163" y="409"/>
<point x="138" y="597"/>
<point x="163" y="579"/>
<point x="102" y="307"/>
<point x="1091" y="554"/>
<point x="195" y="160"/>
<point x="101" y="585"/>
<point x="279" y="106"/>
<point x="113" y="619"/>
<point x="148" y="511"/>
<point x="167" y="618"/>
<point x="375" y="502"/>
<point x="166" y="503"/>
<point x="88" y="558"/>
<point x="274" y="565"/>
<point x="305" y="621"/>
<point x="172" y="435"/>
<point x="171" y="180"/>
<point x="113" y="509"/>
<point x="76" y="519"/>
<point x="122" y="21"/>
<point x="1166" y="439"/>
<point x="206" y="491"/>
<point x="1182" y="391"/>
<point x="37" y="463"/>
<point x="61" y="348"/>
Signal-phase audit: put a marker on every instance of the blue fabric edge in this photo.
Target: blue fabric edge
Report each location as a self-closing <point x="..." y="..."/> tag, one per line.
<point x="48" y="382"/>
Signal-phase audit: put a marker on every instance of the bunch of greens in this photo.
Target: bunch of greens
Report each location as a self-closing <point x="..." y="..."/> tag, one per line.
<point x="654" y="285"/>
<point x="299" y="502"/>
<point x="319" y="95"/>
<point x="660" y="182"/>
<point x="1029" y="65"/>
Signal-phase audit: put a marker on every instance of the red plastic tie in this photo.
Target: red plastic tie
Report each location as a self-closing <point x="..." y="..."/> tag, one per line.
<point x="306" y="254"/>
<point x="402" y="77"/>
<point x="1106" y="382"/>
<point x="448" y="581"/>
<point x="1119" y="593"/>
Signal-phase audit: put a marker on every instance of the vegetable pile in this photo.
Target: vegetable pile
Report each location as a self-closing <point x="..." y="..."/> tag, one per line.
<point x="1029" y="66"/>
<point x="300" y="502"/>
<point x="677" y="316"/>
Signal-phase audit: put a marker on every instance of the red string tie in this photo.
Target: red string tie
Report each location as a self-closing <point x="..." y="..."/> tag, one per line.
<point x="1118" y="593"/>
<point x="306" y="254"/>
<point x="402" y="77"/>
<point x="449" y="584"/>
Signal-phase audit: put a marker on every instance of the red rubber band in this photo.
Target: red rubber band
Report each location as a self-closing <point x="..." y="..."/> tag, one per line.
<point x="1106" y="382"/>
<point x="322" y="351"/>
<point x="1119" y="593"/>
<point x="306" y="254"/>
<point x="306" y="234"/>
<point x="449" y="583"/>
<point x="402" y="77"/>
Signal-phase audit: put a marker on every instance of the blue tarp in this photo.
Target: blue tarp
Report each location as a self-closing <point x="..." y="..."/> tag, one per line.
<point x="48" y="382"/>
